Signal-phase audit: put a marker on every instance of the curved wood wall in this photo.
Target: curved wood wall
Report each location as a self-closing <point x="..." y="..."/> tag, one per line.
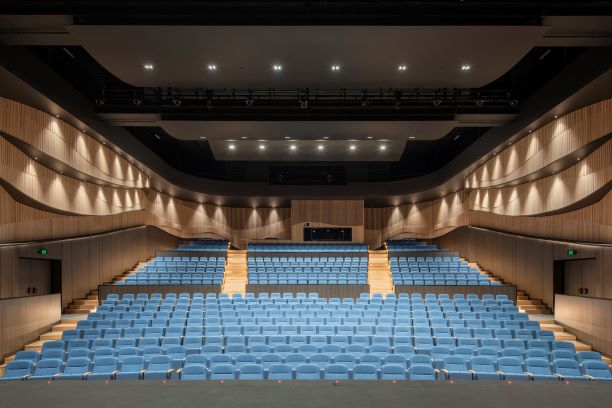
<point x="71" y="146"/>
<point x="76" y="207"/>
<point x="544" y="146"/>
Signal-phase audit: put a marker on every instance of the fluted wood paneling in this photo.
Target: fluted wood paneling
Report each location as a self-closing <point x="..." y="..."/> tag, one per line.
<point x="86" y="262"/>
<point x="327" y="213"/>
<point x="61" y="141"/>
<point x="550" y="193"/>
<point x="544" y="146"/>
<point x="63" y="193"/>
<point x="238" y="225"/>
<point x="527" y="262"/>
<point x="589" y="319"/>
<point x="22" y="320"/>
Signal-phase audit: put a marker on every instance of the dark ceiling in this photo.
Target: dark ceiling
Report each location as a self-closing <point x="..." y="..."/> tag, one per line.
<point x="509" y="95"/>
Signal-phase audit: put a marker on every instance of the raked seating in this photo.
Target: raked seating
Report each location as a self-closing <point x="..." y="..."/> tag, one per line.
<point x="407" y="270"/>
<point x="304" y="337"/>
<point x="307" y="264"/>
<point x="185" y="269"/>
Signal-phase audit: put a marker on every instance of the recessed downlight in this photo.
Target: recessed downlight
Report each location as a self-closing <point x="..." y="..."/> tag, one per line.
<point x="262" y="147"/>
<point x="352" y="147"/>
<point x="148" y="67"/>
<point x="232" y="147"/>
<point x="335" y="67"/>
<point x="402" y="67"/>
<point x="277" y="67"/>
<point x="320" y="147"/>
<point x="212" y="67"/>
<point x="383" y="147"/>
<point x="293" y="147"/>
<point x="466" y="67"/>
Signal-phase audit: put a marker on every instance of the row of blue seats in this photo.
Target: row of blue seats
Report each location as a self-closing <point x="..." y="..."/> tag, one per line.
<point x="419" y="368"/>
<point x="449" y="275"/>
<point x="261" y="247"/>
<point x="329" y="281"/>
<point x="214" y="353"/>
<point x="317" y="270"/>
<point x="193" y="345"/>
<point x="154" y="282"/>
<point x="445" y="283"/>
<point x="446" y="305"/>
<point x="163" y="269"/>
<point x="301" y="295"/>
<point x="187" y="260"/>
<point x="407" y="266"/>
<point x="295" y="342"/>
<point x="436" y="259"/>
<point x="154" y="275"/>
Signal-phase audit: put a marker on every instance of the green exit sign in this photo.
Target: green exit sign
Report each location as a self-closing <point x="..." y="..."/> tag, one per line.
<point x="571" y="252"/>
<point x="41" y="251"/>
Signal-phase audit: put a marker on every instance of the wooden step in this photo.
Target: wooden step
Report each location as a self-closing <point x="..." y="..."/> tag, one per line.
<point x="63" y="326"/>
<point x="36" y="346"/>
<point x="52" y="335"/>
<point x="552" y="327"/>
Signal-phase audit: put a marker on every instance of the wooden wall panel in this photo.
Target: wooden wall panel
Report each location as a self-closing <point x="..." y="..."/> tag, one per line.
<point x="63" y="193"/>
<point x="86" y="262"/>
<point x="588" y="318"/>
<point x="327" y="213"/>
<point x="550" y="193"/>
<point x="24" y="319"/>
<point x="61" y="141"/>
<point x="544" y="146"/>
<point x="526" y="262"/>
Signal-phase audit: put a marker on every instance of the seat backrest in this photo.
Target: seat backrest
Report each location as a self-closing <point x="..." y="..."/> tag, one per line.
<point x="78" y="365"/>
<point x="537" y="366"/>
<point x="365" y="371"/>
<point x="194" y="372"/>
<point x="159" y="363"/>
<point x="18" y="368"/>
<point x="597" y="369"/>
<point x="510" y="365"/>
<point x="421" y="372"/>
<point x="482" y="364"/>
<point x="105" y="365"/>
<point x="132" y="364"/>
<point x="307" y="372"/>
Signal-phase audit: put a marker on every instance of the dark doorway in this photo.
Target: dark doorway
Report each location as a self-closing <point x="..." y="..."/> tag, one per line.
<point x="575" y="277"/>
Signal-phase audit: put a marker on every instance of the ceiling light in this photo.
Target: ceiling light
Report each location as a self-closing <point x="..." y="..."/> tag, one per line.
<point x="411" y="137"/>
<point x="466" y="67"/>
<point x="202" y="137"/>
<point x="556" y="116"/>
<point x="243" y="137"/>
<point x="369" y="137"/>
<point x="320" y="147"/>
<point x="262" y="147"/>
<point x="287" y="137"/>
<point x="325" y="137"/>
<point x="277" y="67"/>
<point x="57" y="116"/>
<point x="232" y="147"/>
<point x="383" y="147"/>
<point x="352" y="147"/>
<point x="148" y="67"/>
<point x="293" y="147"/>
<point x="335" y="67"/>
<point x="402" y="68"/>
<point x="212" y="67"/>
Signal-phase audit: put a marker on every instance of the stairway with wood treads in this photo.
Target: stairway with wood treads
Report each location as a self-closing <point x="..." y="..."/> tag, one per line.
<point x="379" y="272"/>
<point x="236" y="276"/>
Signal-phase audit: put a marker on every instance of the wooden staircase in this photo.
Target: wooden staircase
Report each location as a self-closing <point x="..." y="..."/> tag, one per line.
<point x="83" y="305"/>
<point x="379" y="272"/>
<point x="236" y="276"/>
<point x="123" y="276"/>
<point x="537" y="307"/>
<point x="525" y="304"/>
<point x="531" y="306"/>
